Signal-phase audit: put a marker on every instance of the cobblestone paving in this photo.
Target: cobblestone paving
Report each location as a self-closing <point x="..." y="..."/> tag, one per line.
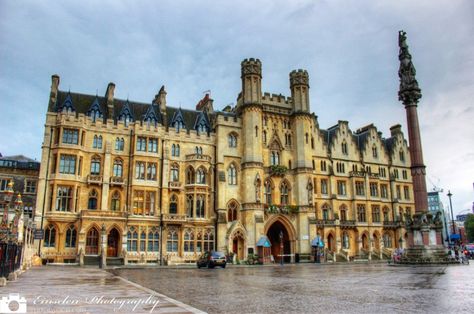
<point x="310" y="288"/>
<point x="72" y="289"/>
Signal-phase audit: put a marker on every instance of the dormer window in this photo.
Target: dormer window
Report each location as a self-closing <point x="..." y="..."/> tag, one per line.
<point x="201" y="128"/>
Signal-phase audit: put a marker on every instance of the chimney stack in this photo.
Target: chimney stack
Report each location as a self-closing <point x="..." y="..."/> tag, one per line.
<point x="53" y="96"/>
<point x="109" y="94"/>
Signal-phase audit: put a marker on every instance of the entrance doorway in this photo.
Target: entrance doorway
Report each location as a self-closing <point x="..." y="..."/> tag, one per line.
<point x="273" y="235"/>
<point x="238" y="246"/>
<point x="331" y="246"/>
<point x="365" y="242"/>
<point x="92" y="242"/>
<point x="113" y="243"/>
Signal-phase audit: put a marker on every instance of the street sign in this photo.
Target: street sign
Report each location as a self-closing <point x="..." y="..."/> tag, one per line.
<point x="39" y="234"/>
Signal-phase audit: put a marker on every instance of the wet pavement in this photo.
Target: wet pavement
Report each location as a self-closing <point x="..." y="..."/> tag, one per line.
<point x="310" y="288"/>
<point x="72" y="289"/>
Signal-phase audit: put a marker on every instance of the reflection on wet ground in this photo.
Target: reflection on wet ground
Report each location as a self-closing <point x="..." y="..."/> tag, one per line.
<point x="310" y="288"/>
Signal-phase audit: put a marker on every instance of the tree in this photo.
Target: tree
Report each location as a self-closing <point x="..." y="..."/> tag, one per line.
<point x="469" y="227"/>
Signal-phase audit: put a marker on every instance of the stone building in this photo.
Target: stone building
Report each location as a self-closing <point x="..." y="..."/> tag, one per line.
<point x="149" y="182"/>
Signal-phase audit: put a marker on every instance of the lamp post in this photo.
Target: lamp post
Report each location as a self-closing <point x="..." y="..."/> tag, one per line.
<point x="451" y="206"/>
<point x="281" y="248"/>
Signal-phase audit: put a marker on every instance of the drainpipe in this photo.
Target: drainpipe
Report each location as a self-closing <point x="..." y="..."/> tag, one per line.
<point x="161" y="201"/>
<point x="216" y="175"/>
<point x="45" y="185"/>
<point x="129" y="169"/>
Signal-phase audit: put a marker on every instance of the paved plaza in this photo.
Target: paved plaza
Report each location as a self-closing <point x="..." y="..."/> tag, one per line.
<point x="309" y="288"/>
<point x="304" y="288"/>
<point x="72" y="289"/>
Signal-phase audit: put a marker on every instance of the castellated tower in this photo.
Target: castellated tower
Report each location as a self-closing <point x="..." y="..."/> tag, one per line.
<point x="299" y="84"/>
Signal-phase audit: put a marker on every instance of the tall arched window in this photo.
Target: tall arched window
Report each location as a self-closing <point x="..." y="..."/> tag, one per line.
<point x="401" y="155"/>
<point x="50" y="236"/>
<point x="200" y="206"/>
<point x="190" y="205"/>
<point x="118" y="168"/>
<point x="232" y="174"/>
<point x="268" y="192"/>
<point x="190" y="175"/>
<point x="201" y="176"/>
<point x="173" y="204"/>
<point x="71" y="235"/>
<point x="173" y="150"/>
<point x="386" y="214"/>
<point x="284" y="198"/>
<point x="153" y="240"/>
<point x="177" y="150"/>
<point x="343" y="213"/>
<point x="174" y="173"/>
<point x="232" y="139"/>
<point x="188" y="241"/>
<point x="275" y="158"/>
<point x="344" y="147"/>
<point x="115" y="204"/>
<point x="92" y="202"/>
<point x="172" y="241"/>
<point x="345" y="240"/>
<point x="232" y="211"/>
<point x="374" y="151"/>
<point x="208" y="240"/>
<point x="132" y="239"/>
<point x="119" y="144"/>
<point x="95" y="166"/>
<point x="325" y="211"/>
<point x="92" y="241"/>
<point x="387" y="241"/>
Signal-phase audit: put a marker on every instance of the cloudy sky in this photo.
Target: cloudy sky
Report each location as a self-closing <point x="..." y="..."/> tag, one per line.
<point x="349" y="48"/>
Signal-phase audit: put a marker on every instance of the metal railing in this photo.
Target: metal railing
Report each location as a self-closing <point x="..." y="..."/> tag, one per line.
<point x="10" y="258"/>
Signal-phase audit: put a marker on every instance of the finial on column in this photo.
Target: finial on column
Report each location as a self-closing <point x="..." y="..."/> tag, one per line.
<point x="409" y="92"/>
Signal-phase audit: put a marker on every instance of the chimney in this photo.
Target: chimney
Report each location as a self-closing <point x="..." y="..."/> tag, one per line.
<point x="394" y="130"/>
<point x="205" y="104"/>
<point x="53" y="96"/>
<point x="109" y="94"/>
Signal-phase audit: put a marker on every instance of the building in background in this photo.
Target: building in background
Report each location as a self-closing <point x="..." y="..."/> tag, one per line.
<point x="145" y="183"/>
<point x="435" y="205"/>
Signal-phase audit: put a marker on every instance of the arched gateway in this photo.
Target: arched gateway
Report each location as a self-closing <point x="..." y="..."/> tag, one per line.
<point x="274" y="229"/>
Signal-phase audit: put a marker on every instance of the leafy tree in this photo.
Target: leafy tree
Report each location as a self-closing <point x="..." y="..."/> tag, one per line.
<point x="469" y="227"/>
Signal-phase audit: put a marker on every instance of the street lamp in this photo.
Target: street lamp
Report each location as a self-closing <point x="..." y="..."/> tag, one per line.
<point x="451" y="206"/>
<point x="281" y="247"/>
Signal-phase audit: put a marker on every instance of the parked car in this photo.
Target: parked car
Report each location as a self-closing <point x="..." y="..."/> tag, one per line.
<point x="470" y="250"/>
<point x="211" y="260"/>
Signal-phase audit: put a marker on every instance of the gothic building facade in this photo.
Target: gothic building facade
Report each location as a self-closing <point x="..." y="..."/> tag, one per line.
<point x="149" y="183"/>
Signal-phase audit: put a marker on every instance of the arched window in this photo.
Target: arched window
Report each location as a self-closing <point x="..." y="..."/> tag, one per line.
<point x="153" y="240"/>
<point x="71" y="235"/>
<point x="232" y="174"/>
<point x="201" y="128"/>
<point x="99" y="142"/>
<point x="401" y="155"/>
<point x="343" y="213"/>
<point x="132" y="239"/>
<point x="118" y="168"/>
<point x="208" y="240"/>
<point x="323" y="165"/>
<point x="50" y="236"/>
<point x="92" y="242"/>
<point x="200" y="206"/>
<point x="374" y="151"/>
<point x="275" y="158"/>
<point x="174" y="173"/>
<point x="173" y="150"/>
<point x="190" y="175"/>
<point x="177" y="150"/>
<point x="95" y="166"/>
<point x="95" y="141"/>
<point x="387" y="241"/>
<point x="190" y="205"/>
<point x="268" y="192"/>
<point x="92" y="202"/>
<point x="361" y="217"/>
<point x="325" y="211"/>
<point x="119" y="144"/>
<point x="172" y="241"/>
<point x="115" y="204"/>
<point x="386" y="214"/>
<point x="345" y="240"/>
<point x="198" y="151"/>
<point x="173" y="204"/>
<point x="344" y="147"/>
<point x="284" y="194"/>
<point x="188" y="241"/>
<point x="142" y="241"/>
<point x="201" y="176"/>
<point x="232" y="211"/>
<point x="232" y="138"/>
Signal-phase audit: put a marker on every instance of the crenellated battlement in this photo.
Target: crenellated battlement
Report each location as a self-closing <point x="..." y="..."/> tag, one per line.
<point x="251" y="66"/>
<point x="276" y="99"/>
<point x="299" y="77"/>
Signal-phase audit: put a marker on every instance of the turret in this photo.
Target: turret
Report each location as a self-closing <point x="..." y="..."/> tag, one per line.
<point x="299" y="85"/>
<point x="251" y="81"/>
<point x="109" y="95"/>
<point x="160" y="99"/>
<point x="53" y="96"/>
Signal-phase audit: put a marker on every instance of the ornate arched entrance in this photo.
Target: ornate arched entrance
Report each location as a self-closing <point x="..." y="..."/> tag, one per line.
<point x="238" y="245"/>
<point x="92" y="242"/>
<point x="275" y="229"/>
<point x="113" y="239"/>
<point x="331" y="244"/>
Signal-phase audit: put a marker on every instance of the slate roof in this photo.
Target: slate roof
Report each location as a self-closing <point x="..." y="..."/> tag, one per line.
<point x="82" y="104"/>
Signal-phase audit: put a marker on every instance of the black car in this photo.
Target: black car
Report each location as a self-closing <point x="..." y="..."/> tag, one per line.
<point x="211" y="259"/>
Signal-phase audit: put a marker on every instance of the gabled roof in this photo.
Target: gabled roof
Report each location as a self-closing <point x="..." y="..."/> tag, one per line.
<point x="125" y="111"/>
<point x="95" y="106"/>
<point x="202" y="118"/>
<point x="150" y="114"/>
<point x="66" y="104"/>
<point x="178" y="117"/>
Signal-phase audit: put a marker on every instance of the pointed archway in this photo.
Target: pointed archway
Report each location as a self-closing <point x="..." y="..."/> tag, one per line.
<point x="113" y="239"/>
<point x="275" y="229"/>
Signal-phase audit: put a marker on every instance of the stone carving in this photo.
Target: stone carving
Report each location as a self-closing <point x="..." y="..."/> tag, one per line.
<point x="409" y="91"/>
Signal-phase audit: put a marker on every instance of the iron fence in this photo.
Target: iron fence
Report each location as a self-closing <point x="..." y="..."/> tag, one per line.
<point x="10" y="258"/>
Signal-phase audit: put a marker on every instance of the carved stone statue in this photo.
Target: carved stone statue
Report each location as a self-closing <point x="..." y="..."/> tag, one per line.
<point x="409" y="90"/>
